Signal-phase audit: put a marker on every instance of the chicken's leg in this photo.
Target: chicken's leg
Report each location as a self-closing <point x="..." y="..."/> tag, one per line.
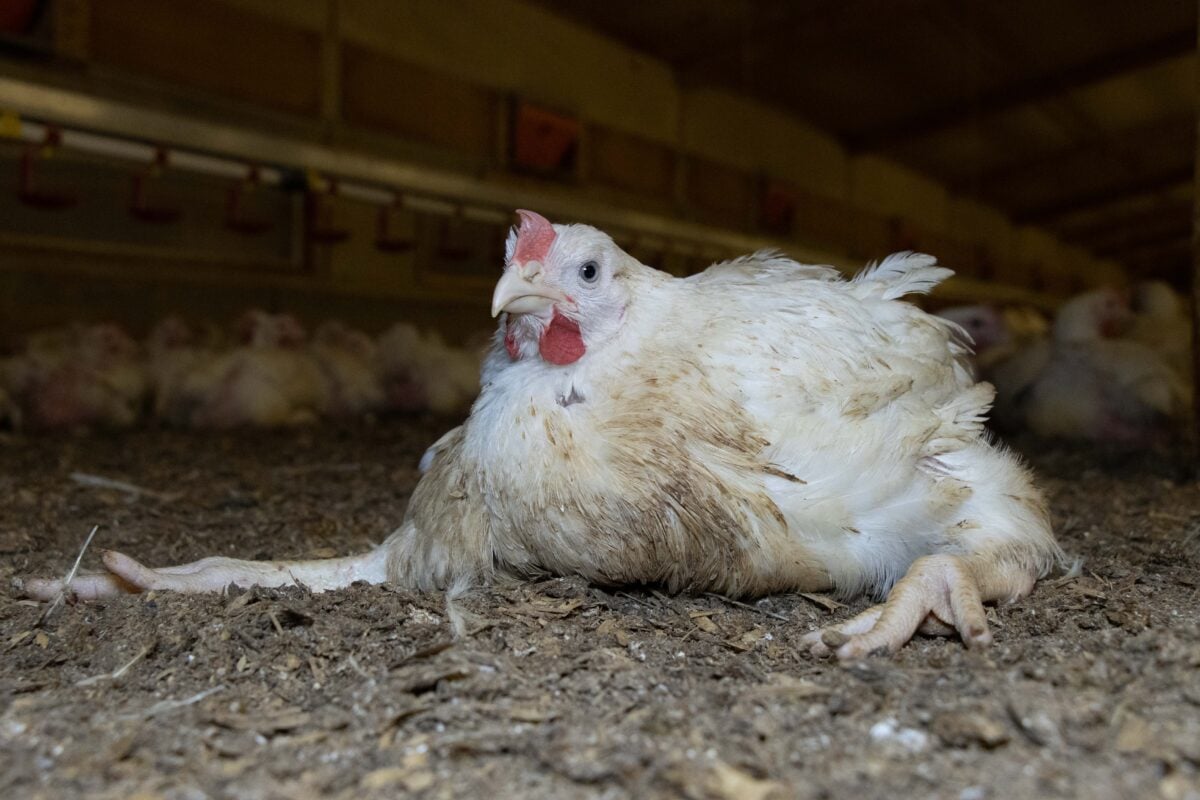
<point x="126" y="575"/>
<point x="939" y="595"/>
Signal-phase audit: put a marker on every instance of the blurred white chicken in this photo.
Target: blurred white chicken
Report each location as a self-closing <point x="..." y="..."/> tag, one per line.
<point x="763" y="426"/>
<point x="269" y="381"/>
<point x="1086" y="382"/>
<point x="79" y="376"/>
<point x="347" y="361"/>
<point x="173" y="352"/>
<point x="987" y="328"/>
<point x="421" y="372"/>
<point x="1162" y="323"/>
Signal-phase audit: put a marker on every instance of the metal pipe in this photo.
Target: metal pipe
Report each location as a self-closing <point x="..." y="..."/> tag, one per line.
<point x="116" y="129"/>
<point x="77" y="110"/>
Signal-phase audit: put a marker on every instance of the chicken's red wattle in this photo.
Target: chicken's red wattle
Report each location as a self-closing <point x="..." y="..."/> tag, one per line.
<point x="562" y="343"/>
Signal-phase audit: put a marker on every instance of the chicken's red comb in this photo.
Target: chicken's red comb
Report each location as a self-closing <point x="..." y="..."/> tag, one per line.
<point x="534" y="237"/>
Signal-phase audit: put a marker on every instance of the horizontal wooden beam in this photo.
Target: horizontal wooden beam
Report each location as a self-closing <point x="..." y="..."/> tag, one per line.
<point x="1172" y="268"/>
<point x="1115" y="193"/>
<point x="1175" y="133"/>
<point x="1162" y="256"/>
<point x="1136" y="240"/>
<point x="1103" y="225"/>
<point x="766" y="35"/>
<point x="1036" y="89"/>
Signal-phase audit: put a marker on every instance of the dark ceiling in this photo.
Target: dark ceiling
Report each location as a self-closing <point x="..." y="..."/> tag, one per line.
<point x="1075" y="115"/>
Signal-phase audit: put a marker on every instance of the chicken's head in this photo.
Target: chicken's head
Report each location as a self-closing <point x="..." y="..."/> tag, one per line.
<point x="1098" y="314"/>
<point x="985" y="324"/>
<point x="338" y="336"/>
<point x="1157" y="300"/>
<point x="257" y="328"/>
<point x="106" y="343"/>
<point x="562" y="291"/>
<point x="170" y="333"/>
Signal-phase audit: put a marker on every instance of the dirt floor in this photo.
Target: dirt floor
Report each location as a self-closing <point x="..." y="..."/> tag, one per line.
<point x="560" y="690"/>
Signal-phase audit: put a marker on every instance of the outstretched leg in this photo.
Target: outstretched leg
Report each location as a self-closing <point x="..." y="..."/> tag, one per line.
<point x="126" y="575"/>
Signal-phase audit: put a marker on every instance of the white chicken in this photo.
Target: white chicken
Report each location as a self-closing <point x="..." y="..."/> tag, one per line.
<point x="270" y="381"/>
<point x="420" y="372"/>
<point x="1087" y="383"/>
<point x="764" y="426"/>
<point x="1161" y="322"/>
<point x="79" y="376"/>
<point x="987" y="328"/>
<point x="347" y="361"/>
<point x="173" y="353"/>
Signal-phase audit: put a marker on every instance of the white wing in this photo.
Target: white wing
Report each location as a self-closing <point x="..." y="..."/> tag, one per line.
<point x="856" y="393"/>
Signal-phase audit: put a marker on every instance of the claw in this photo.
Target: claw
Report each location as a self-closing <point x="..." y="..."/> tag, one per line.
<point x="85" y="586"/>
<point x="939" y="595"/>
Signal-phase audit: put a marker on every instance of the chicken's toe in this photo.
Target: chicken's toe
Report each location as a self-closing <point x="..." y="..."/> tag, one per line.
<point x="938" y="595"/>
<point x="86" y="586"/>
<point x="823" y="641"/>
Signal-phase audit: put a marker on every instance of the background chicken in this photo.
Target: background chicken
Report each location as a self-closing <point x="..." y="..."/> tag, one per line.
<point x="269" y="381"/>
<point x="1088" y="382"/>
<point x="988" y="329"/>
<point x="77" y="377"/>
<point x="419" y="371"/>
<point x="1162" y="323"/>
<point x="174" y="352"/>
<point x="347" y="360"/>
<point x="764" y="426"/>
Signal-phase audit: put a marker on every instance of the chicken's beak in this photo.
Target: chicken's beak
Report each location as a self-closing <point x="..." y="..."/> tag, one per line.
<point x="516" y="295"/>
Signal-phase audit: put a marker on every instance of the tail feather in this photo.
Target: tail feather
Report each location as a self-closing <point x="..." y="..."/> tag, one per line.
<point x="902" y="273"/>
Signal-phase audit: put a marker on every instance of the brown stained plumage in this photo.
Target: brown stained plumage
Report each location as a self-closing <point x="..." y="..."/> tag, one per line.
<point x="685" y="518"/>
<point x="446" y="502"/>
<point x="948" y="494"/>
<point x="771" y="469"/>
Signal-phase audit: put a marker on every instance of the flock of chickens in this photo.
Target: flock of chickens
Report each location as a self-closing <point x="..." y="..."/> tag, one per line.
<point x="265" y="372"/>
<point x="1112" y="366"/>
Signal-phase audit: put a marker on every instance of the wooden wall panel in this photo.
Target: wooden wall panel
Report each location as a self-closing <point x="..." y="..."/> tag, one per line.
<point x="950" y="252"/>
<point x="630" y="163"/>
<point x="721" y="194"/>
<point x="407" y="100"/>
<point x="873" y="239"/>
<point x="826" y="221"/>
<point x="211" y="46"/>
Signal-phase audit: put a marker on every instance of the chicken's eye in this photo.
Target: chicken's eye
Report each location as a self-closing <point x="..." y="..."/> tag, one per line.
<point x="590" y="271"/>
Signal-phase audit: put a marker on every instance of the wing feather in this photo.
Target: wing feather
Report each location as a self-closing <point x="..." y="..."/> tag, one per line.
<point x="900" y="274"/>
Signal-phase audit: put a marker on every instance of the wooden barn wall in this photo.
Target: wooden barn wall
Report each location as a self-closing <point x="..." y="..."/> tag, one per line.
<point x="211" y="47"/>
<point x="400" y="98"/>
<point x="434" y="82"/>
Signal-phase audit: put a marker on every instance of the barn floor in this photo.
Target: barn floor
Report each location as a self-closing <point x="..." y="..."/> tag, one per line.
<point x="561" y="690"/>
